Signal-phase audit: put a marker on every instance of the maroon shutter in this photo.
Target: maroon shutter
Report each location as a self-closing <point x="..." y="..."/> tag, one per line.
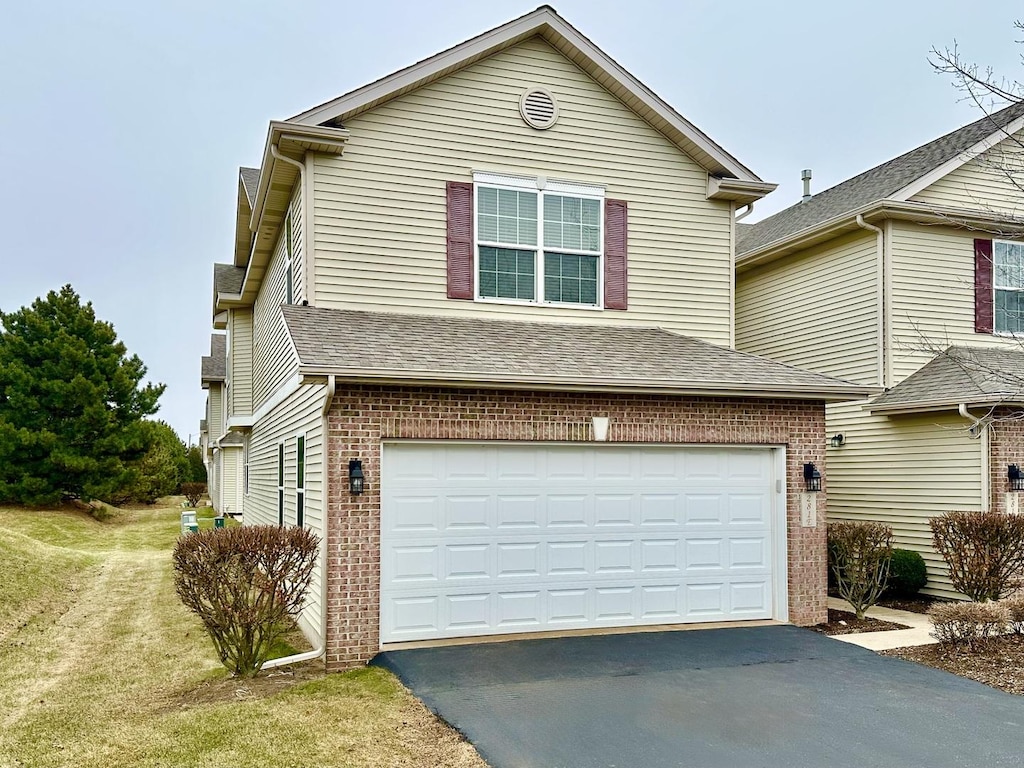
<point x="615" y="237"/>
<point x="983" y="294"/>
<point x="460" y="240"/>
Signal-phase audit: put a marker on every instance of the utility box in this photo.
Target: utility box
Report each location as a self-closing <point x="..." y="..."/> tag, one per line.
<point x="218" y="521"/>
<point x="189" y="524"/>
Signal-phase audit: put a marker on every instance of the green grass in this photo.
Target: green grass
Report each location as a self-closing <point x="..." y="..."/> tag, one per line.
<point x="110" y="669"/>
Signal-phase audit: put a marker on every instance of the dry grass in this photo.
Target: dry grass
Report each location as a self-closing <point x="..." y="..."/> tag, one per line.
<point x="104" y="667"/>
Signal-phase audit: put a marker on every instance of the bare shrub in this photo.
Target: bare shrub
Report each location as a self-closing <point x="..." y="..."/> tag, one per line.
<point x="1014" y="606"/>
<point x="984" y="551"/>
<point x="247" y="584"/>
<point x="967" y="624"/>
<point x="859" y="555"/>
<point x="193" y="492"/>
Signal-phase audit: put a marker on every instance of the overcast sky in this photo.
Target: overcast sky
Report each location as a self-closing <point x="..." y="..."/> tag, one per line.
<point x="122" y="124"/>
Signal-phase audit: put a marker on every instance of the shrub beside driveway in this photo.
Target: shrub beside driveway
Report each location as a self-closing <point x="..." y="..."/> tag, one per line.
<point x="104" y="666"/>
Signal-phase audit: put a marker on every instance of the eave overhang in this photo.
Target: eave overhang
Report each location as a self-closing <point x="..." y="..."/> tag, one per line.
<point x="945" y="404"/>
<point x="317" y="374"/>
<point x="880" y="210"/>
<point x="741" y="192"/>
<point x="273" y="194"/>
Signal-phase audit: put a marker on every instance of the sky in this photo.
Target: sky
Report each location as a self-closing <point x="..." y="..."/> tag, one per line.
<point x="122" y="124"/>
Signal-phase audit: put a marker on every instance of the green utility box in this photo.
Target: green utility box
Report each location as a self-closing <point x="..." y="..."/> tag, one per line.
<point x="218" y="522"/>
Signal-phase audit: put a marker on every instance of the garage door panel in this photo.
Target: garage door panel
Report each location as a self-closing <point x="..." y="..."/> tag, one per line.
<point x="513" y="538"/>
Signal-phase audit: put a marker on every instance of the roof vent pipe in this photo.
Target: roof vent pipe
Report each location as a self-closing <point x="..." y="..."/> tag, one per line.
<point x="805" y="176"/>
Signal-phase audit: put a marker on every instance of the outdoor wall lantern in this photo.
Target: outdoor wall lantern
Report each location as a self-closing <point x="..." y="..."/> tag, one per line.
<point x="812" y="477"/>
<point x="1016" y="477"/>
<point x="837" y="440"/>
<point x="355" y="476"/>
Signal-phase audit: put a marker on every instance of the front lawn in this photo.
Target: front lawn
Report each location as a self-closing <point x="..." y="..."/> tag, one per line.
<point x="103" y="666"/>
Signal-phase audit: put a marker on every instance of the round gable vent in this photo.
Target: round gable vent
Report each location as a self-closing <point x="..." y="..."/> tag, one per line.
<point x="538" y="108"/>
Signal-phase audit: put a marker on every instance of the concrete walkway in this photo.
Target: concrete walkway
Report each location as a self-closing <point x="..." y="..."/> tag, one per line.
<point x="918" y="634"/>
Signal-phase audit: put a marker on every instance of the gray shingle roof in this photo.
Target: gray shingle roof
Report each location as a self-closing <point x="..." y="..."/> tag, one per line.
<point x="250" y="180"/>
<point x="227" y="278"/>
<point x="371" y="346"/>
<point x="879" y="183"/>
<point x="960" y="375"/>
<point x="215" y="364"/>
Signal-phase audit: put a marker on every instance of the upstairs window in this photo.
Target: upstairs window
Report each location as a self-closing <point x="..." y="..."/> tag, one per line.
<point x="538" y="241"/>
<point x="1008" y="282"/>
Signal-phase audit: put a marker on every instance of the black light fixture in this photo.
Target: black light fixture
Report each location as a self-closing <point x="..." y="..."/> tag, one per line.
<point x="837" y="440"/>
<point x="812" y="477"/>
<point x="355" y="476"/>
<point x="1016" y="477"/>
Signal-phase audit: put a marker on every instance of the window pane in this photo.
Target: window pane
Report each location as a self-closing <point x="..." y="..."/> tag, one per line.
<point x="488" y="200"/>
<point x="1008" y="262"/>
<point x="506" y="216"/>
<point x="572" y="222"/>
<point x="300" y="452"/>
<point x="1009" y="314"/>
<point x="506" y="273"/>
<point x="487" y="228"/>
<point x="571" y="236"/>
<point x="508" y="230"/>
<point x="570" y="278"/>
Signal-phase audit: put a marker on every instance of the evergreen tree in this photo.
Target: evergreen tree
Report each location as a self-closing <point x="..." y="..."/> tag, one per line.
<point x="71" y="403"/>
<point x="196" y="468"/>
<point x="162" y="468"/>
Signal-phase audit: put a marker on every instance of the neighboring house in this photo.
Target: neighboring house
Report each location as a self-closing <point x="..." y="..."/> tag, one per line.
<point x="223" y="451"/>
<point x="871" y="281"/>
<point x="480" y="317"/>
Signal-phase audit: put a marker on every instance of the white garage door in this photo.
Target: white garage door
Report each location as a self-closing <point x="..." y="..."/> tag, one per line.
<point x="492" y="539"/>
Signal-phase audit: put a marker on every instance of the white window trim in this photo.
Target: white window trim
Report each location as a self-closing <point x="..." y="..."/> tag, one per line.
<point x="541" y="186"/>
<point x="281" y="482"/>
<point x="301" y="490"/>
<point x="996" y="288"/>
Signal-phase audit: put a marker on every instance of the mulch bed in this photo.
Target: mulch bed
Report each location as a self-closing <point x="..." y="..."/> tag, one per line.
<point x="998" y="662"/>
<point x="919" y="604"/>
<point x="846" y="623"/>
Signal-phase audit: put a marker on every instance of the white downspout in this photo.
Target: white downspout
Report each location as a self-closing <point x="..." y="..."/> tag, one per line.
<point x="978" y="430"/>
<point x="321" y="648"/>
<point x="879" y="294"/>
<point x="305" y="239"/>
<point x="749" y="210"/>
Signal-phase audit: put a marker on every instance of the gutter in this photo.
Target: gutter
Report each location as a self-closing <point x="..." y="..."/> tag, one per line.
<point x="838" y="393"/>
<point x="321" y="648"/>
<point x="879" y="294"/>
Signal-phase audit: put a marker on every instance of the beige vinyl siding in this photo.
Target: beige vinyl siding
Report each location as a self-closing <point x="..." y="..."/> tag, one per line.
<point x="231" y="480"/>
<point x="991" y="181"/>
<point x="216" y="422"/>
<point x="299" y="413"/>
<point x="817" y="309"/>
<point x="295" y="212"/>
<point x="933" y="295"/>
<point x="240" y="324"/>
<point x="273" y="360"/>
<point x="903" y="470"/>
<point x="380" y="210"/>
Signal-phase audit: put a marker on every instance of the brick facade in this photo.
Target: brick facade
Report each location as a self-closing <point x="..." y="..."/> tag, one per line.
<point x="1006" y="446"/>
<point x="361" y="417"/>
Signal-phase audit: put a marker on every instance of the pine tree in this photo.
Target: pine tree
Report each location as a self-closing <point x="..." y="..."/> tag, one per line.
<point x="71" y="403"/>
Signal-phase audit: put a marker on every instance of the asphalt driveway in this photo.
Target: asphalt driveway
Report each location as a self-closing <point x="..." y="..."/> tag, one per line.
<point x="734" y="698"/>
